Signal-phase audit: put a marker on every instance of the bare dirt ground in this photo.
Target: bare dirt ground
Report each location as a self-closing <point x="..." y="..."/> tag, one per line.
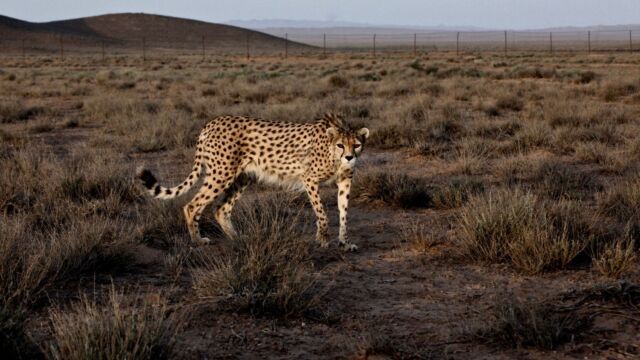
<point x="393" y="298"/>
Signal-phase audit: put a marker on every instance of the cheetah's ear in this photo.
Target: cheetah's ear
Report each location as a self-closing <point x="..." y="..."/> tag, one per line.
<point x="363" y="133"/>
<point x="332" y="132"/>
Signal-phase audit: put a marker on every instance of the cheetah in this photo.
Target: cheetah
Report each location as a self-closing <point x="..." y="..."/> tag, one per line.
<point x="233" y="151"/>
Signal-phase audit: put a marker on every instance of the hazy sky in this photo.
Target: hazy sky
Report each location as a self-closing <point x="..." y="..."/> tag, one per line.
<point x="502" y="14"/>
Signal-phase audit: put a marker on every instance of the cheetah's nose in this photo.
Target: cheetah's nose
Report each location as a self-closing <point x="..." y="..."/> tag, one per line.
<point x="348" y="157"/>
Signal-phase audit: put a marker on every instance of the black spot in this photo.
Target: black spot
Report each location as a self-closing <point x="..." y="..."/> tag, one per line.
<point x="157" y="190"/>
<point x="147" y="178"/>
<point x="168" y="191"/>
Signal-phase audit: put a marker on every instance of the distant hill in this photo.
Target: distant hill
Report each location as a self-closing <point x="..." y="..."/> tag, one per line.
<point x="292" y="24"/>
<point x="128" y="29"/>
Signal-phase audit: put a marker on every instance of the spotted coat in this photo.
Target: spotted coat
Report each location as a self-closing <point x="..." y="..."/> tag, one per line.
<point x="232" y="151"/>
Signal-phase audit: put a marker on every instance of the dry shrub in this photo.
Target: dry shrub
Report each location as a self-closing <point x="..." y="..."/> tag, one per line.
<point x="595" y="153"/>
<point x="430" y="135"/>
<point x="509" y="102"/>
<point x="394" y="189"/>
<point x="523" y="72"/>
<point x="338" y="81"/>
<point x="498" y="131"/>
<point x="536" y="251"/>
<point x="391" y="136"/>
<point x="607" y="134"/>
<point x="532" y="136"/>
<point x="469" y="163"/>
<point x="477" y="147"/>
<point x="617" y="258"/>
<point x="54" y="232"/>
<point x="456" y="193"/>
<point x="513" y="170"/>
<point x="622" y="201"/>
<point x="417" y="110"/>
<point x="532" y="324"/>
<point x="517" y="227"/>
<point x="118" y="330"/>
<point x="12" y="111"/>
<point x="558" y="181"/>
<point x="33" y="261"/>
<point x="375" y="345"/>
<point x="621" y="292"/>
<point x="40" y="125"/>
<point x="148" y="133"/>
<point x="144" y="126"/>
<point x="265" y="269"/>
<point x="384" y="344"/>
<point x="614" y="90"/>
<point x="163" y="226"/>
<point x="419" y="237"/>
<point x="585" y="77"/>
<point x="112" y="105"/>
<point x="585" y="115"/>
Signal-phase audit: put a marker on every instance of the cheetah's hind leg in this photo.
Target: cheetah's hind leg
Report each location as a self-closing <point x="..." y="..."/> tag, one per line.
<point x="231" y="196"/>
<point x="208" y="193"/>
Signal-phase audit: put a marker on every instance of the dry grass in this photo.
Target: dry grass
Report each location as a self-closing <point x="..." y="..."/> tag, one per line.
<point x="456" y="193"/>
<point x="515" y="226"/>
<point x="394" y="189"/>
<point x="622" y="201"/>
<point x="116" y="330"/>
<point x="418" y="237"/>
<point x="266" y="269"/>
<point x="530" y="324"/>
<point x="528" y="161"/>
<point x="616" y="258"/>
<point x="60" y="221"/>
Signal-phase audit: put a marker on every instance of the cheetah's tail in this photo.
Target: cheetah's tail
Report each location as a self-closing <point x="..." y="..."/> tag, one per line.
<point x="150" y="182"/>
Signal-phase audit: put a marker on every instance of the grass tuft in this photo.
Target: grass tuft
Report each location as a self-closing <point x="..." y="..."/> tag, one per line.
<point x="616" y="258"/>
<point x="118" y="330"/>
<point x="265" y="269"/>
<point x="516" y="227"/>
<point x="395" y="189"/>
<point x="531" y="324"/>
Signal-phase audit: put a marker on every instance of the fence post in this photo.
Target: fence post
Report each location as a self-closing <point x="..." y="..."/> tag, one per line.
<point x="102" y="50"/>
<point x="144" y="49"/>
<point x="24" y="55"/>
<point x="458" y="43"/>
<point x="61" y="48"/>
<point x="415" y="48"/>
<point x="203" y="55"/>
<point x="374" y="45"/>
<point x="551" y="42"/>
<point x="589" y="41"/>
<point x="247" y="40"/>
<point x="286" y="45"/>
<point x="505" y="43"/>
<point x="631" y="41"/>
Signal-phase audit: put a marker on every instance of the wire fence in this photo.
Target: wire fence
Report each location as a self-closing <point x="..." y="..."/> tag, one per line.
<point x="301" y="44"/>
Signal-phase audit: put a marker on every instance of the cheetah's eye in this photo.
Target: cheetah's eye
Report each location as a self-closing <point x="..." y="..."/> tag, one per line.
<point x="340" y="146"/>
<point x="355" y="146"/>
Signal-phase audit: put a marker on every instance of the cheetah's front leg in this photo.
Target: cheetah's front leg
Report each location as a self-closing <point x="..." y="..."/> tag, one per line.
<point x="312" y="188"/>
<point x="344" y="187"/>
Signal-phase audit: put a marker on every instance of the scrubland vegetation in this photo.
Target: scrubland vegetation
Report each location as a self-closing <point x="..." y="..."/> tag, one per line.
<point x="496" y="208"/>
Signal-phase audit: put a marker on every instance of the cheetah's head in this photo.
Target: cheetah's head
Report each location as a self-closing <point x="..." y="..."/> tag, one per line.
<point x="347" y="144"/>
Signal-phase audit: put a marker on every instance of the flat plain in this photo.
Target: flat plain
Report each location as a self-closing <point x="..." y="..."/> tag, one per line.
<point x="496" y="208"/>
